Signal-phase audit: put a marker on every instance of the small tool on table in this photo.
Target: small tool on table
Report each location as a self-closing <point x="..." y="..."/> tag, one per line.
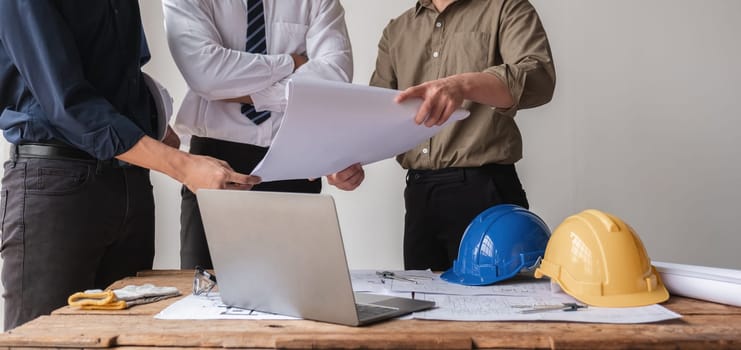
<point x="393" y="276"/>
<point x="203" y="281"/>
<point x="544" y="308"/>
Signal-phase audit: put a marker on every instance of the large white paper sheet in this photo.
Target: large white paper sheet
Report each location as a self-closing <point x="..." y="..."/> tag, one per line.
<point x="499" y="302"/>
<point x="503" y="308"/>
<point x="210" y="307"/>
<point x="328" y="126"/>
<point x="701" y="282"/>
<point x="515" y="287"/>
<point x="506" y="301"/>
<point x="370" y="281"/>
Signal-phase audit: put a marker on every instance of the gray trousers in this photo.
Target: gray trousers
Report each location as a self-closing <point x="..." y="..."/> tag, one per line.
<point x="70" y="225"/>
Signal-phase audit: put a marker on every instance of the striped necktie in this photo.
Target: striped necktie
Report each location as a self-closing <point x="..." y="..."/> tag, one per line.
<point x="255" y="44"/>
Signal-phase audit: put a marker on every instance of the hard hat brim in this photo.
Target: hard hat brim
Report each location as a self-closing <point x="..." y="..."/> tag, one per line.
<point x="643" y="298"/>
<point x="625" y="300"/>
<point x="468" y="280"/>
<point x="162" y="104"/>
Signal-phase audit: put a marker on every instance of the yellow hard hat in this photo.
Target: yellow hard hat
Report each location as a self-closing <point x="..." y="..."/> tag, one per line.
<point x="597" y="258"/>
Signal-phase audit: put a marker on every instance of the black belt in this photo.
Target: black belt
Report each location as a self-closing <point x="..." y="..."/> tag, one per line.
<point x="446" y="175"/>
<point x="61" y="152"/>
<point x="53" y="151"/>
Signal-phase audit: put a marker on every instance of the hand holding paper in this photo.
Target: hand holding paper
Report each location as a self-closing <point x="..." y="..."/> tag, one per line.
<point x="329" y="126"/>
<point x="441" y="98"/>
<point x="348" y="179"/>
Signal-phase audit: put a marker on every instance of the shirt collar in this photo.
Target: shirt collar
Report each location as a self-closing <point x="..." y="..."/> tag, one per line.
<point x="422" y="4"/>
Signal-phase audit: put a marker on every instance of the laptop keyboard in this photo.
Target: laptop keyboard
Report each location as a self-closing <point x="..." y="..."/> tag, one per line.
<point x="367" y="311"/>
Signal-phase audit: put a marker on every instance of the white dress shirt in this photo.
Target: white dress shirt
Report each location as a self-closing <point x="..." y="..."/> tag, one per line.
<point x="207" y="40"/>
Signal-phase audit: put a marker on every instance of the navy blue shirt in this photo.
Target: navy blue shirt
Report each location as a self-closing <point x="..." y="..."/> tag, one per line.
<point x="70" y="71"/>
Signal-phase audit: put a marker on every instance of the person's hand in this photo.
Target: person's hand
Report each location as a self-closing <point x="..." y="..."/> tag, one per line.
<point x="194" y="171"/>
<point x="208" y="172"/>
<point x="440" y="99"/>
<point x="298" y="60"/>
<point x="171" y="138"/>
<point x="348" y="179"/>
<point x="242" y="99"/>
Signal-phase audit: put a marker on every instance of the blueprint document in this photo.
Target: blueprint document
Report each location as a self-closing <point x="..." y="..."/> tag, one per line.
<point x="503" y="308"/>
<point x="210" y="307"/>
<point x="504" y="301"/>
<point x="513" y="300"/>
<point x="371" y="281"/>
<point x="328" y="126"/>
<point x="516" y="287"/>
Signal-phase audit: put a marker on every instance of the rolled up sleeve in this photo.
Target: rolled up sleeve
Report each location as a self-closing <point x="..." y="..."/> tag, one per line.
<point x="528" y="69"/>
<point x="384" y="76"/>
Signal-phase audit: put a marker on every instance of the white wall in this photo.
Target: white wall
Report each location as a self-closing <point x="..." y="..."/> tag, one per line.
<point x="644" y="125"/>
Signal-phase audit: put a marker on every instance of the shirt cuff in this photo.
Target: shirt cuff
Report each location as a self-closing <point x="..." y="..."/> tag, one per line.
<point x="273" y="98"/>
<point x="514" y="83"/>
<point x="115" y="139"/>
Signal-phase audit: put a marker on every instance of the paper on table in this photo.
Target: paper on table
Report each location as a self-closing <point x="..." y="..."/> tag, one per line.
<point x="701" y="282"/>
<point x="449" y="307"/>
<point x="328" y="126"/>
<point x="503" y="308"/>
<point x="210" y="307"/>
<point x="367" y="281"/>
<point x="202" y="307"/>
<point x="370" y="281"/>
<point x="504" y="301"/>
<point x="515" y="287"/>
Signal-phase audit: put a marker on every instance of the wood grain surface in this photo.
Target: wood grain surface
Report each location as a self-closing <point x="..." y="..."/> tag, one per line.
<point x="703" y="326"/>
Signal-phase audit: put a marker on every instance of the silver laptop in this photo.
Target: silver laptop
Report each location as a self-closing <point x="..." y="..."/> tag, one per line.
<point x="283" y="253"/>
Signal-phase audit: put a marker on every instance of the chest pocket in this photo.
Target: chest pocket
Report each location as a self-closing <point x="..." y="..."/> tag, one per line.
<point x="288" y="38"/>
<point x="467" y="52"/>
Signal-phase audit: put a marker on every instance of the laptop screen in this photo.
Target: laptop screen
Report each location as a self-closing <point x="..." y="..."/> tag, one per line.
<point x="279" y="253"/>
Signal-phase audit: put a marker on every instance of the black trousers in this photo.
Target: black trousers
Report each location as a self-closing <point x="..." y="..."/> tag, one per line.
<point x="441" y="203"/>
<point x="69" y="225"/>
<point x="242" y="158"/>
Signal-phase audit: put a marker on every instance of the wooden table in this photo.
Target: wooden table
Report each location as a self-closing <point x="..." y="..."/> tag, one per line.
<point x="703" y="326"/>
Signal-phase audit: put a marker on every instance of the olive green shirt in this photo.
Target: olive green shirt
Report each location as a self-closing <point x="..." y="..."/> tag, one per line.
<point x="500" y="37"/>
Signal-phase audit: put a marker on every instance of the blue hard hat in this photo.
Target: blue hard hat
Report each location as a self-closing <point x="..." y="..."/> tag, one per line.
<point x="498" y="244"/>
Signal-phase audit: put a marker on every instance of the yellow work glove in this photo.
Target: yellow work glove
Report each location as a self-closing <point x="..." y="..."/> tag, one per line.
<point x="122" y="298"/>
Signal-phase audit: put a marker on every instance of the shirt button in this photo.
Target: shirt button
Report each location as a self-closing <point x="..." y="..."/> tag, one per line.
<point x="439" y="24"/>
<point x="435" y="54"/>
<point x="425" y="150"/>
